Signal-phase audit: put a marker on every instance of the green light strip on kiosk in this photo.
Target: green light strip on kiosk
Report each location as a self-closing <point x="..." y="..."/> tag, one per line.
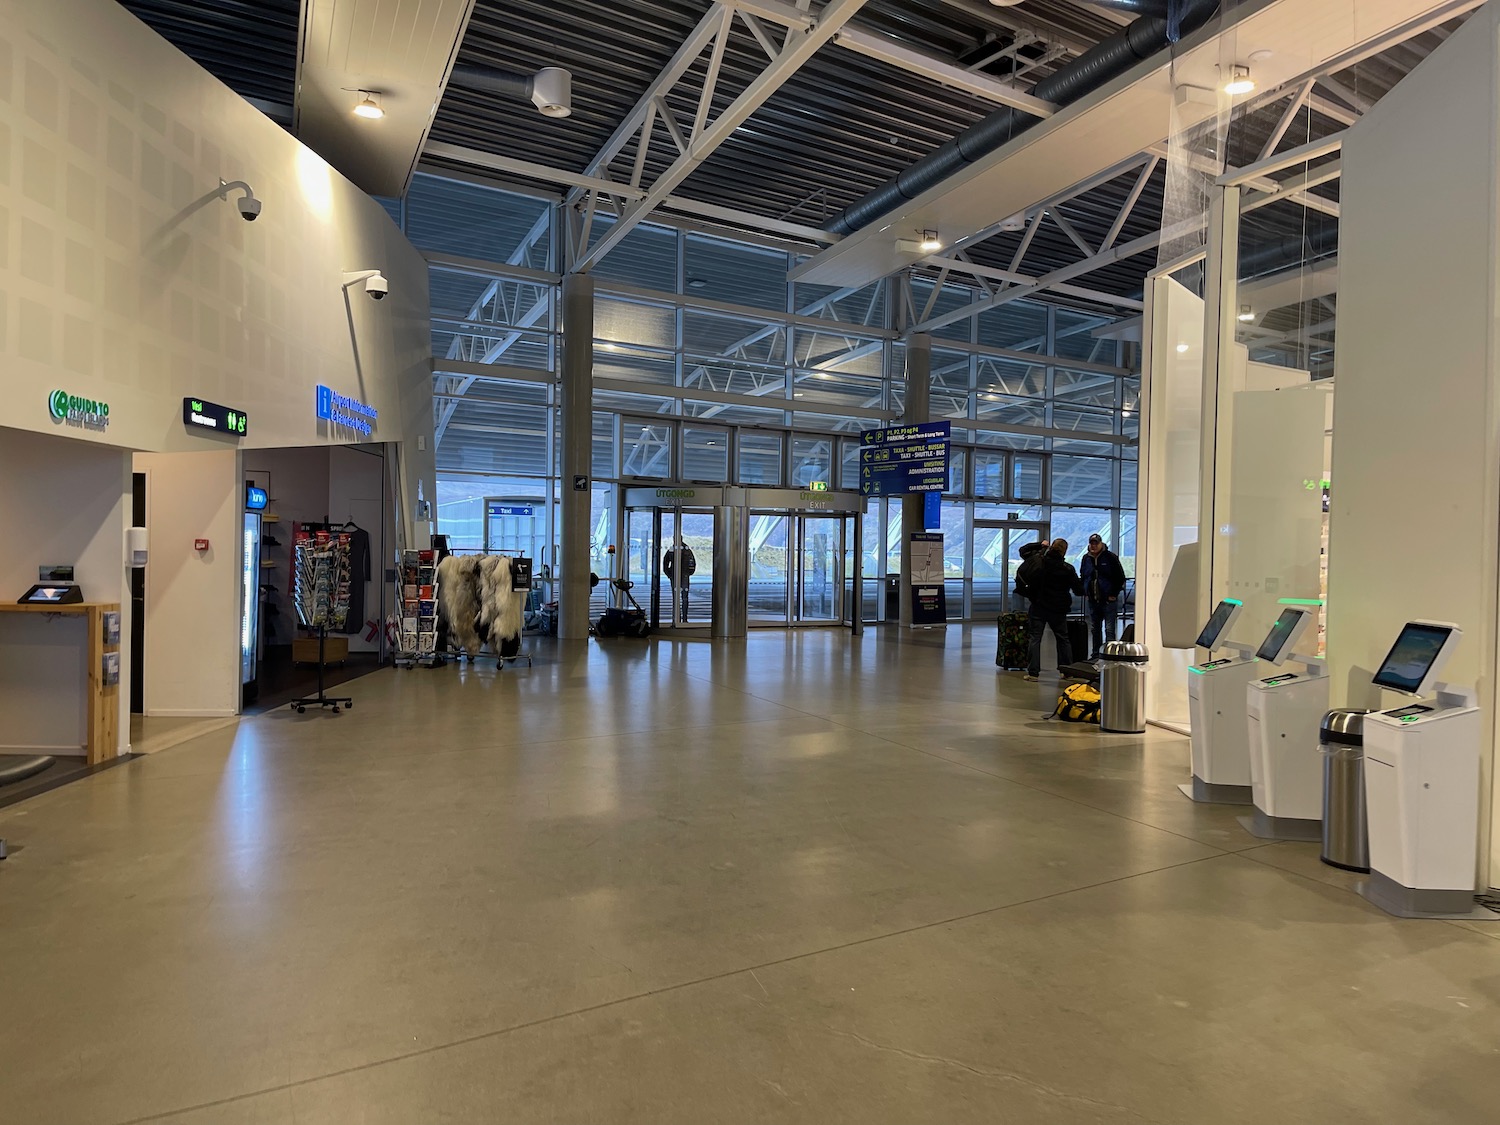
<point x="1299" y="601"/>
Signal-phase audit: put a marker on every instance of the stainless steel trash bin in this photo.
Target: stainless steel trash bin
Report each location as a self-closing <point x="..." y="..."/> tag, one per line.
<point x="1346" y="836"/>
<point x="1122" y="687"/>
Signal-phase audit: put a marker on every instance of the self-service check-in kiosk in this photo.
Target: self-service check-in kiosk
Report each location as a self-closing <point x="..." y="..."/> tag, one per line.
<point x="1283" y="711"/>
<point x="1216" y="707"/>
<point x="1422" y="782"/>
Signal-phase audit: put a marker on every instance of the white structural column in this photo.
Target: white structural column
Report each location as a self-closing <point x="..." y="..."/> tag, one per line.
<point x="918" y="409"/>
<point x="575" y="413"/>
<point x="1415" y="492"/>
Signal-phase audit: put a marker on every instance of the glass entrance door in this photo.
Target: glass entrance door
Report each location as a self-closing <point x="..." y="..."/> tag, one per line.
<point x="798" y="567"/>
<point x="819" y="597"/>
<point x="655" y="554"/>
<point x="997" y="557"/>
<point x="685" y="568"/>
<point x="772" y="543"/>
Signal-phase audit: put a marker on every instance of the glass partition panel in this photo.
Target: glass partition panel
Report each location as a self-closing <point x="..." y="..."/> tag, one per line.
<point x="812" y="460"/>
<point x="735" y="272"/>
<point x="634" y="322"/>
<point x="712" y="336"/>
<point x="705" y="453"/>
<point x="646" y="449"/>
<point x="1021" y="325"/>
<point x="760" y="458"/>
<point x="1005" y="376"/>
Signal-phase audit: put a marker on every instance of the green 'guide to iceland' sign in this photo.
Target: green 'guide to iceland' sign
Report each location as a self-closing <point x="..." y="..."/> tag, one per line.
<point x="75" y="411"/>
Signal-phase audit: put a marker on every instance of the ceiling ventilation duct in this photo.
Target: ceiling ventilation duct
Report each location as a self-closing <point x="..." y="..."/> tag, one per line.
<point x="1106" y="60"/>
<point x="549" y="89"/>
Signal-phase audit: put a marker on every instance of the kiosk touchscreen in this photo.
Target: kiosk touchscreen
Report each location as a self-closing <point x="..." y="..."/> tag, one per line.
<point x="1216" y="705"/>
<point x="67" y="593"/>
<point x="1283" y="711"/>
<point x="1422" y="781"/>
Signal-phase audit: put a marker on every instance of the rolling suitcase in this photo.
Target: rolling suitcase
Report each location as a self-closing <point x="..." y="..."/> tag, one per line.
<point x="1010" y="649"/>
<point x="1078" y="637"/>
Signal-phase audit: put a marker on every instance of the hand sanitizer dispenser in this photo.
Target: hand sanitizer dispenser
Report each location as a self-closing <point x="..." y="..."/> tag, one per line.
<point x="1283" y="712"/>
<point x="1422" y="782"/>
<point x="1216" y="707"/>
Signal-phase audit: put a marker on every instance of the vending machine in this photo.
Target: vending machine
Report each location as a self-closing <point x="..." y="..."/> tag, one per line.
<point x="250" y="537"/>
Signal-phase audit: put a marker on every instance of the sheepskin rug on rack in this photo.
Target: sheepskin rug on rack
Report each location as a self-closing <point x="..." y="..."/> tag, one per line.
<point x="477" y="597"/>
<point x="458" y="598"/>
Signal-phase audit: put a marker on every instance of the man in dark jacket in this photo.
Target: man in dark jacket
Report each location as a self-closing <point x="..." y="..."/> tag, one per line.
<point x="1048" y="579"/>
<point x="1103" y="582"/>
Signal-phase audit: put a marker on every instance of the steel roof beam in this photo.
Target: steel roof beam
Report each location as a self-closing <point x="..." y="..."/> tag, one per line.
<point x="798" y="49"/>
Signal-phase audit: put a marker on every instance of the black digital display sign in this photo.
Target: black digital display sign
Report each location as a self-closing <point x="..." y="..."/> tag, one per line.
<point x="205" y="415"/>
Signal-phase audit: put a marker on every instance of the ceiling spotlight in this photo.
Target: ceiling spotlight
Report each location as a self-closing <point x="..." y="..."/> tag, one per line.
<point x="369" y="107"/>
<point x="1247" y="314"/>
<point x="1239" y="82"/>
<point x="1182" y="347"/>
<point x="931" y="243"/>
<point x="697" y="283"/>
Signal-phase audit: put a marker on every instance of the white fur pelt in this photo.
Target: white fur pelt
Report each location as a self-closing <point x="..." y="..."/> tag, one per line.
<point x="502" y="608"/>
<point x="458" y="591"/>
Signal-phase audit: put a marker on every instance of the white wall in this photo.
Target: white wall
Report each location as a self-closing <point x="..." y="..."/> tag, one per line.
<point x="1172" y="392"/>
<point x="69" y="503"/>
<point x="125" y="279"/>
<point x="1269" y="543"/>
<point x="192" y="598"/>
<point x="1415" y="515"/>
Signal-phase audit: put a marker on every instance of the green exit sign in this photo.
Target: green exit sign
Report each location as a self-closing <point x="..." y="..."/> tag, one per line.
<point x="817" y="486"/>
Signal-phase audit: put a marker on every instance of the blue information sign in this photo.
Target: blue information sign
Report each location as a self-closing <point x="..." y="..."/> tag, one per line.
<point x="494" y="509"/>
<point x="904" y="459"/>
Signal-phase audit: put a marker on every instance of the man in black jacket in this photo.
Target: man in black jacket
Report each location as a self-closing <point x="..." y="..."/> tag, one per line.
<point x="1103" y="581"/>
<point x="1049" y="581"/>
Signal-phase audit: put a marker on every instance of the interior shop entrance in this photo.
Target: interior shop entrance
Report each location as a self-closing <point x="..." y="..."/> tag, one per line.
<point x="316" y="556"/>
<point x="997" y="547"/>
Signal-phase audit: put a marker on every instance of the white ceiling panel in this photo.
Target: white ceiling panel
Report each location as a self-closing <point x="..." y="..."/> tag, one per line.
<point x="402" y="50"/>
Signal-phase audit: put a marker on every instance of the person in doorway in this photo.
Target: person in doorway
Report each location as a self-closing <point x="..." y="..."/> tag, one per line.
<point x="1103" y="582"/>
<point x="1050" y="582"/>
<point x="679" y="575"/>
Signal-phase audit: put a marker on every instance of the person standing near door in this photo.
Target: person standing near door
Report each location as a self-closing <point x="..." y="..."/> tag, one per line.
<point x="1103" y="580"/>
<point x="1050" y="582"/>
<point x="679" y="576"/>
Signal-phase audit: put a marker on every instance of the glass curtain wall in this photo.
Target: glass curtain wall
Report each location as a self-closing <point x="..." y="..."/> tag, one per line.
<point x="710" y="367"/>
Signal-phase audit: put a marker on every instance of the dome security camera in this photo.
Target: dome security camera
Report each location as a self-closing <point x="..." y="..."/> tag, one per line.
<point x="248" y="205"/>
<point x="376" y="285"/>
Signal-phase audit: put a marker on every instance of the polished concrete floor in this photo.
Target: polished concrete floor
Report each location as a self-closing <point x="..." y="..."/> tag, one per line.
<point x="801" y="878"/>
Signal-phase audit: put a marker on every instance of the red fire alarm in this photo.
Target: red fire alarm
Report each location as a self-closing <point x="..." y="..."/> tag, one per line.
<point x="200" y="544"/>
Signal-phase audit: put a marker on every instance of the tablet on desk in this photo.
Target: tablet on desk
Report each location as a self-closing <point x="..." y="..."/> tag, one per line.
<point x="52" y="594"/>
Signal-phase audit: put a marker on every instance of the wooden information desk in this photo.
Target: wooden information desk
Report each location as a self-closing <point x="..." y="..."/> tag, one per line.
<point x="102" y="726"/>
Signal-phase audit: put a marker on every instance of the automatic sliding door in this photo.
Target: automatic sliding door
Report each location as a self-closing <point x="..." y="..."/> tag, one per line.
<point x="640" y="564"/>
<point x="772" y="543"/>
<point x="692" y="607"/>
<point x="820" y="569"/>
